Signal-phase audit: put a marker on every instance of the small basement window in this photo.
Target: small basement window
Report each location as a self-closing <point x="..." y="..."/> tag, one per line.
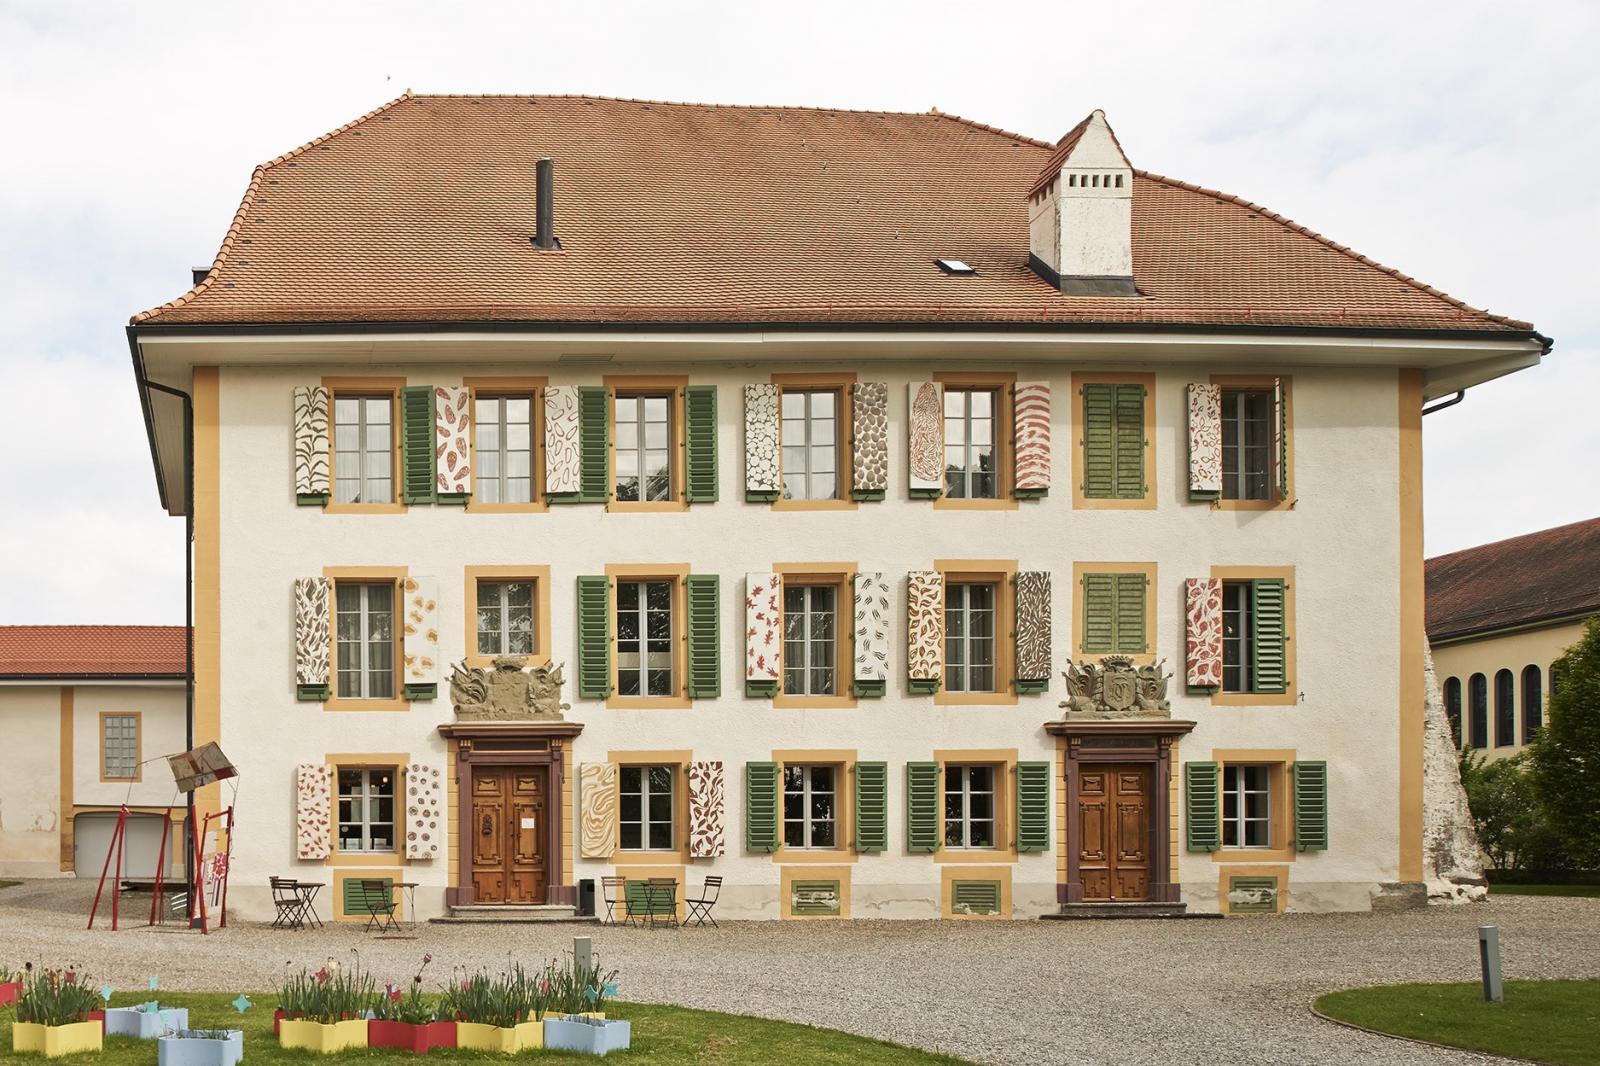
<point x="956" y="266"/>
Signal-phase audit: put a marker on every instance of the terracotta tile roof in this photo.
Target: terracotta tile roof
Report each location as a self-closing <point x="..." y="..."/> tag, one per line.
<point x="1540" y="577"/>
<point x="91" y="651"/>
<point x="1052" y="166"/>
<point x="422" y="210"/>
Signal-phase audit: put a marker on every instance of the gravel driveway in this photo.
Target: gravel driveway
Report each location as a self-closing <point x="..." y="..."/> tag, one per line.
<point x="1112" y="993"/>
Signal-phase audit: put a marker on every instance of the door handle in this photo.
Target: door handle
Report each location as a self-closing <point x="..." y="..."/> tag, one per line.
<point x="488" y="825"/>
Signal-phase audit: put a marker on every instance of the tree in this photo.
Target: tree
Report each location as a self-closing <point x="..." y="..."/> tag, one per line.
<point x="1565" y="758"/>
<point x="1507" y="814"/>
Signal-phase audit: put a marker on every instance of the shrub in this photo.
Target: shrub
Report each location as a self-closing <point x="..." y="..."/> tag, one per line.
<point x="1565" y="759"/>
<point x="1508" y="815"/>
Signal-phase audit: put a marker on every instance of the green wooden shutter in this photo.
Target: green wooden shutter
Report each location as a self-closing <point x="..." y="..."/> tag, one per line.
<point x="1033" y="806"/>
<point x="1128" y="435"/>
<point x="872" y="806"/>
<point x="1099" y="614"/>
<point x="761" y="806"/>
<point x="1129" y="616"/>
<point x="1310" y="806"/>
<point x="814" y="898"/>
<point x="594" y="637"/>
<point x="1099" y="445"/>
<point x="594" y="443"/>
<point x="975" y="897"/>
<point x="355" y="900"/>
<point x="1252" y="895"/>
<point x="418" y="480"/>
<point x="923" y="825"/>
<point x="700" y="443"/>
<point x="1202" y="802"/>
<point x="705" y="673"/>
<point x="1268" y="634"/>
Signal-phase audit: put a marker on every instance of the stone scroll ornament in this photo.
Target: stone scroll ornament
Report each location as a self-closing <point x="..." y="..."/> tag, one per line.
<point x="872" y="627"/>
<point x="761" y="476"/>
<point x="452" y="421"/>
<point x="705" y="810"/>
<point x="927" y="437"/>
<point x="763" y="626"/>
<point x="1033" y="625"/>
<point x="869" y="437"/>
<point x="1032" y="427"/>
<point x="563" y="450"/>
<point x="424" y="811"/>
<point x="1205" y="442"/>
<point x="925" y="625"/>
<point x="311" y="441"/>
<point x="311" y="621"/>
<point x="421" y="629"/>
<point x="597" y="810"/>
<point x="1202" y="608"/>
<point x="313" y="810"/>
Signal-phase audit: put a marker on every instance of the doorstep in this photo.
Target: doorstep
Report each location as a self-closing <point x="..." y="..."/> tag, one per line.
<point x="1099" y="911"/>
<point x="511" y="914"/>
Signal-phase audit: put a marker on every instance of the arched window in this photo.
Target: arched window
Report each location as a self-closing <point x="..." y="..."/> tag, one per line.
<point x="1555" y="677"/>
<point x="1452" y="707"/>
<point x="1505" y="709"/>
<point x="1532" y="702"/>
<point x="1478" y="711"/>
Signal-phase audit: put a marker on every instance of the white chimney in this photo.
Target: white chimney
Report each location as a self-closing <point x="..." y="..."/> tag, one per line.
<point x="1080" y="214"/>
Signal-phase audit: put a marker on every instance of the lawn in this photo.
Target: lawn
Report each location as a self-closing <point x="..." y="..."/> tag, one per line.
<point x="1552" y="1021"/>
<point x="9" y="884"/>
<point x="661" y="1035"/>
<point x="1544" y="890"/>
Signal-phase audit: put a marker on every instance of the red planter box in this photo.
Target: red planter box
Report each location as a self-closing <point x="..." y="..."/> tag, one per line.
<point x="9" y="991"/>
<point x="97" y="1016"/>
<point x="403" y="1036"/>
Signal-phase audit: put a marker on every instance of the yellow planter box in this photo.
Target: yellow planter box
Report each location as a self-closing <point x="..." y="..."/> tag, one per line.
<point x="479" y="1037"/>
<point x="322" y="1038"/>
<point x="53" y="1041"/>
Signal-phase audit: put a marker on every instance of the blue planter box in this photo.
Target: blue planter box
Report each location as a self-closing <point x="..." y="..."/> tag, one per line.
<point x="596" y="1039"/>
<point x="184" y="1049"/>
<point x="131" y="1021"/>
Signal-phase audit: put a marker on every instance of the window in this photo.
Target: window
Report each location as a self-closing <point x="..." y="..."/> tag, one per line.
<point x="119" y="747"/>
<point x="503" y="450"/>
<point x="810" y="640"/>
<point x="1247" y="444"/>
<point x="363" y="449"/>
<point x="505" y="618"/>
<point x="643" y="449"/>
<point x="1478" y="712"/>
<point x="1532" y="702"/>
<point x="644" y="638"/>
<point x="970" y="462"/>
<point x="365" y="636"/>
<point x="810" y="817"/>
<point x="1236" y="636"/>
<point x="969" y="638"/>
<point x="366" y="810"/>
<point x="1452" y="707"/>
<point x="969" y="819"/>
<point x="810" y="435"/>
<point x="1505" y="710"/>
<point x="1246" y="807"/>
<point x="1255" y="635"/>
<point x="646" y="794"/>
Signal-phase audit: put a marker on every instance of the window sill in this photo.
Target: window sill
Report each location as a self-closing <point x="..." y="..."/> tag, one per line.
<point x="397" y="703"/>
<point x="364" y="508"/>
<point x="1147" y="502"/>
<point x="975" y="856"/>
<point x="535" y="507"/>
<point x="646" y="507"/>
<point x="815" y="856"/>
<point x="1254" y="855"/>
<point x="1253" y="505"/>
<point x="365" y="858"/>
<point x="538" y="658"/>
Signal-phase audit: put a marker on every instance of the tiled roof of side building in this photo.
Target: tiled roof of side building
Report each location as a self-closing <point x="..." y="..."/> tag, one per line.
<point x="91" y="651"/>
<point x="1540" y="577"/>
<point x="422" y="210"/>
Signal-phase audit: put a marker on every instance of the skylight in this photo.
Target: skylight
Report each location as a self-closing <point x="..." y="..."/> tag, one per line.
<point x="956" y="266"/>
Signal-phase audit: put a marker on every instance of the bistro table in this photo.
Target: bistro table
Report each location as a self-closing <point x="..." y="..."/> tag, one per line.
<point x="410" y="889"/>
<point x="308" y="893"/>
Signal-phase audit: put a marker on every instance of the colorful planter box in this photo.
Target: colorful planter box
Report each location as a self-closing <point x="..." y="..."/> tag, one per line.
<point x="323" y="1038"/>
<point x="406" y="1036"/>
<point x="475" y="1036"/>
<point x="598" y="1037"/>
<point x="9" y="991"/>
<point x="53" y="1041"/>
<point x="146" y="1025"/>
<point x="184" y="1048"/>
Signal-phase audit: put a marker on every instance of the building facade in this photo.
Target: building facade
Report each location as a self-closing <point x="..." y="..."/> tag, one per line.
<point x="887" y="514"/>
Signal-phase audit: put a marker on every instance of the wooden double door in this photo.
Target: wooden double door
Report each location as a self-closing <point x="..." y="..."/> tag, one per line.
<point x="1114" y="831"/>
<point x="509" y="834"/>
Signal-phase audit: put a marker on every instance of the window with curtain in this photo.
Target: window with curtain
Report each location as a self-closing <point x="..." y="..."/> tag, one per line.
<point x="969" y="637"/>
<point x="970" y="458"/>
<point x="810" y="429"/>
<point x="810" y="640"/>
<point x="363" y="449"/>
<point x="365" y="639"/>
<point x="644" y="638"/>
<point x="503" y="449"/>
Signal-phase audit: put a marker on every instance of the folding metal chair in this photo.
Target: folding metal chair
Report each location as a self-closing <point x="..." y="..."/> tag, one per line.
<point x="613" y="890"/>
<point x="379" y="903"/>
<point x="290" y="907"/>
<point x="699" y="910"/>
<point x="661" y="894"/>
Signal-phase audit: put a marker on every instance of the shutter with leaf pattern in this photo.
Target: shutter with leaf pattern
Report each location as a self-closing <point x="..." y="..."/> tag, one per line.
<point x="563" y="442"/>
<point x="1202" y="600"/>
<point x="763" y="633"/>
<point x="924" y="630"/>
<point x="925" y="428"/>
<point x="1205" y="441"/>
<point x="871" y="593"/>
<point x="705" y="810"/>
<point x="452" y="412"/>
<point x="420" y="628"/>
<point x="313" y="810"/>
<point x="312" y="483"/>
<point x="312" y="620"/>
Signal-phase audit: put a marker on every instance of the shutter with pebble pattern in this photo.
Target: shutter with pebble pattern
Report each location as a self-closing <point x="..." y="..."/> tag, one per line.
<point x="869" y="440"/>
<point x="424" y="811"/>
<point x="762" y="482"/>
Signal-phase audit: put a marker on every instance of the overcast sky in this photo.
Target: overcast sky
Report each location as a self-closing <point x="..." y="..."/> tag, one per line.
<point x="1456" y="143"/>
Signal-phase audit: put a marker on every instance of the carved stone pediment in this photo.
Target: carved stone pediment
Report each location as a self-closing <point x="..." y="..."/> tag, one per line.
<point x="1116" y="688"/>
<point x="507" y="692"/>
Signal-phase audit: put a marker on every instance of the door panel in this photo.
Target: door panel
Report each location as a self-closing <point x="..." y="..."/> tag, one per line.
<point x="1114" y="833"/>
<point x="488" y="835"/>
<point x="526" y="837"/>
<point x="509" y="807"/>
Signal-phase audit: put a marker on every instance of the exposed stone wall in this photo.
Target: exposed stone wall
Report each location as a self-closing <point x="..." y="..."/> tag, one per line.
<point x="1452" y="859"/>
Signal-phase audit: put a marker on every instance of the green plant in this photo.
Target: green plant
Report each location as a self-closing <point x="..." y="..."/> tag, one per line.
<point x="8" y="976"/>
<point x="330" y="994"/>
<point x="1565" y="756"/>
<point x="577" y="989"/>
<point x="396" y="1004"/>
<point x="55" y="996"/>
<point x="1508" y="814"/>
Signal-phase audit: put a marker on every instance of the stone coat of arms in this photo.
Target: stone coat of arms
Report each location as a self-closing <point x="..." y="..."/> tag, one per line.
<point x="1116" y="688"/>
<point x="507" y="691"/>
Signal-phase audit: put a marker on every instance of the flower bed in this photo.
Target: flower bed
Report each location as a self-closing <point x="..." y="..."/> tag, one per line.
<point x="55" y="1014"/>
<point x="404" y="1020"/>
<point x="201" y="1047"/>
<point x="325" y="1011"/>
<point x="146" y="1021"/>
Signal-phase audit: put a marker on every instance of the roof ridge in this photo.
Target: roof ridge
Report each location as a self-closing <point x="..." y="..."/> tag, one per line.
<point x="1520" y="536"/>
<point x="1345" y="250"/>
<point x="248" y="200"/>
<point x="986" y="128"/>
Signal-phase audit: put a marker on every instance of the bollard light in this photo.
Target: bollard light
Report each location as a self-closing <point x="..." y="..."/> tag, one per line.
<point x="1489" y="958"/>
<point x="583" y="954"/>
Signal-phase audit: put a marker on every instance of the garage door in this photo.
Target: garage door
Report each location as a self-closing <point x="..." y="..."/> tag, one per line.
<point x="91" y="836"/>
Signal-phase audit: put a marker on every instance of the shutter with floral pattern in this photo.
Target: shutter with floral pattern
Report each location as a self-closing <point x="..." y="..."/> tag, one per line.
<point x="312" y="484"/>
<point x="1202" y="609"/>
<point x="1205" y="442"/>
<point x="311" y="637"/>
<point x="705" y="810"/>
<point x="313" y="810"/>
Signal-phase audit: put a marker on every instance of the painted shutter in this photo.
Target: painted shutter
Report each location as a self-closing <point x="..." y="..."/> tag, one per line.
<point x="563" y="442"/>
<point x="1099" y="614"/>
<point x="1031" y="426"/>
<point x="1280" y="441"/>
<point x="872" y="807"/>
<point x="923" y="824"/>
<point x="763" y="633"/>
<point x="594" y="637"/>
<point x="869" y="440"/>
<point x="313" y="810"/>
<point x="1033" y="806"/>
<point x="1268" y="633"/>
<point x="312" y="619"/>
<point x="594" y="433"/>
<point x="1033" y="630"/>
<point x="762" y="482"/>
<point x="761" y="806"/>
<point x="1113" y="441"/>
<point x="705" y="810"/>
<point x="871" y="591"/>
<point x="354" y="898"/>
<point x="814" y="898"/>
<point x="975" y="897"/>
<point x="1205" y="441"/>
<point x="700" y="443"/>
<point x="452" y="413"/>
<point x="420" y="641"/>
<point x="425" y="826"/>
<point x="1202" y="802"/>
<point x="417" y="477"/>
<point x="925" y="630"/>
<point x="597" y="809"/>
<point x="311" y="446"/>
<point x="1202" y="608"/>
<point x="925" y="427"/>
<point x="703" y="591"/>
<point x="1310" y="806"/>
<point x="1130" y="616"/>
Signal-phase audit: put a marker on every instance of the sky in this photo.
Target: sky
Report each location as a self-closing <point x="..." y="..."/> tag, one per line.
<point x="1456" y="143"/>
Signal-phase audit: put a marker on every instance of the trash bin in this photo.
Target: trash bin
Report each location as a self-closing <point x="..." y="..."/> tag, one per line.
<point x="586" y="897"/>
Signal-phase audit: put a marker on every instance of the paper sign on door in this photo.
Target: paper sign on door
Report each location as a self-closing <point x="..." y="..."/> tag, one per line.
<point x="527" y="823"/>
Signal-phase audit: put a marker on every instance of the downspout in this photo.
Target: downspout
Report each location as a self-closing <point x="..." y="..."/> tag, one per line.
<point x="1451" y="402"/>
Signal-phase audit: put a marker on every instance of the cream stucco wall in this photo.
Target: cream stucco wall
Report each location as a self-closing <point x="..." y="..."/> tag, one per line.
<point x="30" y="787"/>
<point x="161" y="733"/>
<point x="1488" y="655"/>
<point x="1341" y="538"/>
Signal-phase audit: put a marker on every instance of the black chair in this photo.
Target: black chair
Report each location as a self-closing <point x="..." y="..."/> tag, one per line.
<point x="700" y="909"/>
<point x="290" y="907"/>
<point x="378" y="902"/>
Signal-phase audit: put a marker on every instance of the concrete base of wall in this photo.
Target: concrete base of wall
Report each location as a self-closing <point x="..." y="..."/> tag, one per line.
<point x="1399" y="896"/>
